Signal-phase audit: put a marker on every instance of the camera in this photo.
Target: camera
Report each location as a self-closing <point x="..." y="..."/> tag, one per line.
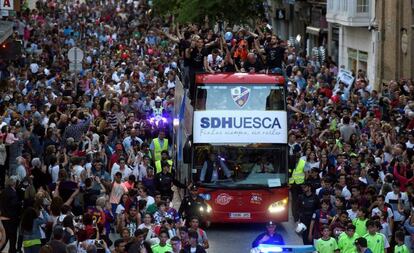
<point x="100" y="246"/>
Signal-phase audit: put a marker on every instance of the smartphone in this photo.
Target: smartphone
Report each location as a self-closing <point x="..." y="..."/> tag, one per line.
<point x="269" y="27"/>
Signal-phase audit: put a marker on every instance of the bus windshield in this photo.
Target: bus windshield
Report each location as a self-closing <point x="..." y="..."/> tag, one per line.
<point x="251" y="97"/>
<point x="249" y="166"/>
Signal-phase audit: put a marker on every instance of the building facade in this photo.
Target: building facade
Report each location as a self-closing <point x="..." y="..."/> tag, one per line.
<point x="352" y="42"/>
<point x="291" y="18"/>
<point x="374" y="36"/>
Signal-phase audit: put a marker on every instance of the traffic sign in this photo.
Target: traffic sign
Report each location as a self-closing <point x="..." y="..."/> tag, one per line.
<point x="75" y="67"/>
<point x="75" y="55"/>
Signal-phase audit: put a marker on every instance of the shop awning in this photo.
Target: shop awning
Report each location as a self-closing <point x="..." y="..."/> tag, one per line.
<point x="315" y="30"/>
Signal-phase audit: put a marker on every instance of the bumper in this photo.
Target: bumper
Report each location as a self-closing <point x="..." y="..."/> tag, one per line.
<point x="248" y="217"/>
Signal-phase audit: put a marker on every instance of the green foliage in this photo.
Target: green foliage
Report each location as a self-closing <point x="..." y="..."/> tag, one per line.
<point x="232" y="11"/>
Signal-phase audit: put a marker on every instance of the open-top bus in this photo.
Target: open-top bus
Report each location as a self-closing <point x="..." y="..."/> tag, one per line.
<point x="242" y="120"/>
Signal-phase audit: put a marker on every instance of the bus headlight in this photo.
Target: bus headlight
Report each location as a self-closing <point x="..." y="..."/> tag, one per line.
<point x="208" y="209"/>
<point x="278" y="206"/>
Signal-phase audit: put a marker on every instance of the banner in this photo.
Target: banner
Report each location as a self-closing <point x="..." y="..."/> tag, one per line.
<point x="240" y="127"/>
<point x="181" y="117"/>
<point x="346" y="77"/>
<point x="7" y="5"/>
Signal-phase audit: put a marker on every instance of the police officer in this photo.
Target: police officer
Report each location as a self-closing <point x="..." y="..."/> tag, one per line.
<point x="190" y="206"/>
<point x="165" y="180"/>
<point x="307" y="203"/>
<point x="269" y="237"/>
<point x="157" y="109"/>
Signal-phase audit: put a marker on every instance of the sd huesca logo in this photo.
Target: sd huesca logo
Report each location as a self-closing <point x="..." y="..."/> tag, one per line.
<point x="240" y="95"/>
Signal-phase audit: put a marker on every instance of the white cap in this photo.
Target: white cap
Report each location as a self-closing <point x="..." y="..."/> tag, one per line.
<point x="158" y="99"/>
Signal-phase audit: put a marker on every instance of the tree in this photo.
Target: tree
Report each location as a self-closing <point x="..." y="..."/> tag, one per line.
<point x="232" y="11"/>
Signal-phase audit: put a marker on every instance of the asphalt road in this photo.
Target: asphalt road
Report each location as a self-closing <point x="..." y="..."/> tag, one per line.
<point x="237" y="238"/>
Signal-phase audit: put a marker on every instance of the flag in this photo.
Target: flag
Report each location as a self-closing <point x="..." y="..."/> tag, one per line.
<point x="180" y="128"/>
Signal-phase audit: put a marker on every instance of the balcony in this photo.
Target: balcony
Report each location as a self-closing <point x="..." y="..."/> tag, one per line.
<point x="356" y="13"/>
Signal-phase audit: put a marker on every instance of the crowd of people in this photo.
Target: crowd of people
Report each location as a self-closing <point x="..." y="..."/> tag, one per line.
<point x="86" y="156"/>
<point x="80" y="161"/>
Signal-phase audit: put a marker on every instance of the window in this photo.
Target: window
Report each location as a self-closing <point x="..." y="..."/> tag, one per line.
<point x="330" y="4"/>
<point x="357" y="60"/>
<point x="344" y="6"/>
<point x="362" y="6"/>
<point x="249" y="165"/>
<point x="239" y="97"/>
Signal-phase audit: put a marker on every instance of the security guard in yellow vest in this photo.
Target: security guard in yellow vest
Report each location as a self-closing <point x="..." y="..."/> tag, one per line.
<point x="158" y="145"/>
<point x="298" y="174"/>
<point x="164" y="158"/>
<point x="296" y="179"/>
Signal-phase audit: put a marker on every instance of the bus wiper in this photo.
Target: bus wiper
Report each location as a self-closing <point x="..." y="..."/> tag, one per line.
<point x="259" y="186"/>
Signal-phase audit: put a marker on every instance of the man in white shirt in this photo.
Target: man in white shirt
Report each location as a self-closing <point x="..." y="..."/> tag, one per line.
<point x="131" y="140"/>
<point x="410" y="143"/>
<point x="381" y="208"/>
<point x="140" y="170"/>
<point x="77" y="169"/>
<point x="396" y="197"/>
<point x="214" y="61"/>
<point x="121" y="167"/>
<point x="345" y="192"/>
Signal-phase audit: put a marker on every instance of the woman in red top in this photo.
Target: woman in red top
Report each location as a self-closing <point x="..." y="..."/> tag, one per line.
<point x="400" y="173"/>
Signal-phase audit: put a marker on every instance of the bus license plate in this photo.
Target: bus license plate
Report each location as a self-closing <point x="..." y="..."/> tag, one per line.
<point x="239" y="215"/>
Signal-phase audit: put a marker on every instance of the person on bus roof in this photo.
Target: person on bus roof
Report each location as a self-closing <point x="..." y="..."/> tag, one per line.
<point x="214" y="169"/>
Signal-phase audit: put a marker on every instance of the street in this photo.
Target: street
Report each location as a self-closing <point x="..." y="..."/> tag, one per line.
<point x="133" y="114"/>
<point x="237" y="238"/>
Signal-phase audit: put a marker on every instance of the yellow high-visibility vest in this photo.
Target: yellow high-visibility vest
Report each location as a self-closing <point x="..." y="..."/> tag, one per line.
<point x="158" y="167"/>
<point x="158" y="149"/>
<point x="298" y="174"/>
